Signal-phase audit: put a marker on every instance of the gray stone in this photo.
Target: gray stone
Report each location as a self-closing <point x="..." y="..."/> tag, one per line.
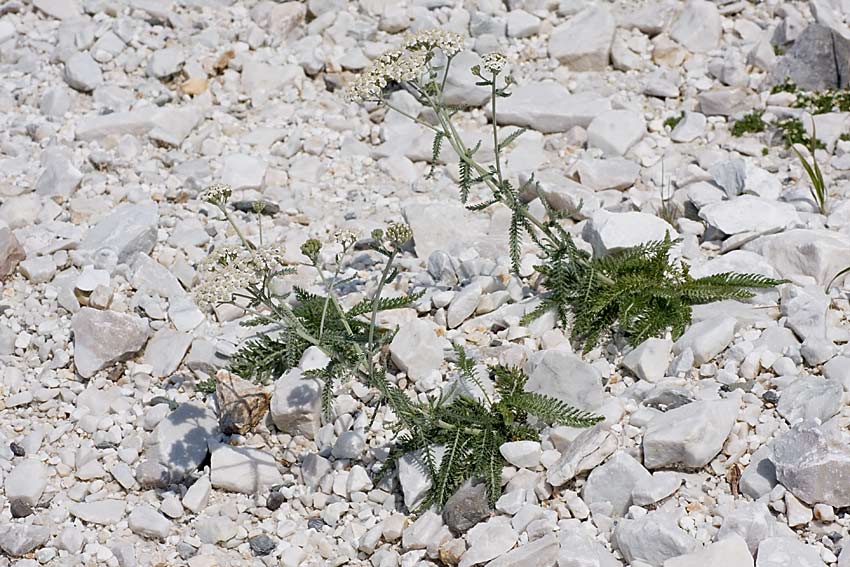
<point x="135" y="122"/>
<point x="787" y="552"/>
<point x="17" y="540"/>
<point x="652" y="538"/>
<point x="584" y="42"/>
<point x="349" y="445"/>
<point x="652" y="490"/>
<point x="314" y="467"/>
<point x="243" y="469"/>
<point x="55" y="102"/>
<point x="26" y="482"/>
<point x="548" y="107"/>
<point x="60" y="177"/>
<point x="82" y="72"/>
<point x="262" y="545"/>
<point x="541" y="552"/>
<point x="172" y="126"/>
<point x="810" y="397"/>
<point x="147" y="522"/>
<point x="562" y="193"/>
<point x="416" y="349"/>
<point x="546" y="376"/>
<point x="101" y="512"/>
<point x="128" y="230"/>
<point x="813" y="462"/>
<point x="11" y="253"/>
<point x="698" y="26"/>
<point x="59" y="9"/>
<point x="463" y="304"/>
<point x="614" y="481"/>
<point x="749" y="213"/>
<point x="521" y="24"/>
<point x="759" y="477"/>
<point x="38" y="269"/>
<point x="588" y="450"/>
<point x="296" y="404"/>
<point x="198" y="495"/>
<point x="166" y="350"/>
<point x="706" y="339"/>
<point x="602" y="174"/>
<point x="580" y="550"/>
<point x="413" y="476"/>
<point x="466" y="507"/>
<point x="649" y="360"/>
<point x="217" y="529"/>
<point x="102" y="338"/>
<point x="818" y="60"/>
<point x="690" y="127"/>
<point x="615" y="131"/>
<point x="751" y="521"/>
<point x="814" y="253"/>
<point x="166" y="62"/>
<point x="608" y="232"/>
<point x="180" y="441"/>
<point x="690" y="435"/>
<point x="450" y="227"/>
<point x="729" y="552"/>
<point x="460" y="88"/>
<point x="725" y="101"/>
<point x="488" y="541"/>
<point x="242" y="171"/>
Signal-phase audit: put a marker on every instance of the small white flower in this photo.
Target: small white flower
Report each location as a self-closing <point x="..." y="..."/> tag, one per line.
<point x="404" y="64"/>
<point x="230" y="269"/>
<point x="345" y="237"/>
<point x="493" y="62"/>
<point x="217" y="193"/>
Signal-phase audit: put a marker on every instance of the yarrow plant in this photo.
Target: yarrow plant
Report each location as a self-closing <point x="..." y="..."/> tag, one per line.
<point x="628" y="281"/>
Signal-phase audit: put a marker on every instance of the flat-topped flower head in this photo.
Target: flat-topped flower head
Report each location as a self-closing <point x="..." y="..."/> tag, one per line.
<point x="493" y="62"/>
<point x="216" y="194"/>
<point x="398" y="234"/>
<point x="230" y="269"/>
<point x="406" y="63"/>
<point x="449" y="43"/>
<point x="346" y="237"/>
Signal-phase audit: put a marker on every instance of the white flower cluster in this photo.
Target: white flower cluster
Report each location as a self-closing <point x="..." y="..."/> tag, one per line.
<point x="493" y="62"/>
<point x="230" y="269"/>
<point x="217" y="194"/>
<point x="346" y="237"/>
<point x="404" y="64"/>
<point x="449" y="43"/>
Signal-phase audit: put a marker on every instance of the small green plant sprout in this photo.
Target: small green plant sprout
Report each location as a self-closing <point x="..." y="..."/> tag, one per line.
<point x="673" y="121"/>
<point x="817" y="185"/>
<point x="786" y="87"/>
<point x="471" y="429"/>
<point x="595" y="293"/>
<point x="749" y="123"/>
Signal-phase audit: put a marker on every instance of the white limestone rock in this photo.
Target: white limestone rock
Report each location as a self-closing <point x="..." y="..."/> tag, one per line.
<point x="26" y="482"/>
<point x="416" y="349"/>
<point x="787" y="552"/>
<point x="180" y="442"/>
<point x="807" y="252"/>
<point x="102" y="338"/>
<point x="729" y="552"/>
<point x="548" y="107"/>
<point x="690" y="435"/>
<point x="698" y="27"/>
<point x="615" y="131"/>
<point x="243" y="469"/>
<point x="608" y="232"/>
<point x="296" y="404"/>
<point x="584" y="42"/>
<point x="706" y="339"/>
<point x="650" y="359"/>
<point x="614" y="481"/>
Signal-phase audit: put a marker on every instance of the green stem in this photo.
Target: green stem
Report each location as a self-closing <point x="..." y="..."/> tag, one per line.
<point x="376" y="302"/>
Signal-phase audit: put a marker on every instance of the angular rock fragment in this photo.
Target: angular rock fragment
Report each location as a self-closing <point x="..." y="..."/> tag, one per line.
<point x="102" y="338"/>
<point x="241" y="404"/>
